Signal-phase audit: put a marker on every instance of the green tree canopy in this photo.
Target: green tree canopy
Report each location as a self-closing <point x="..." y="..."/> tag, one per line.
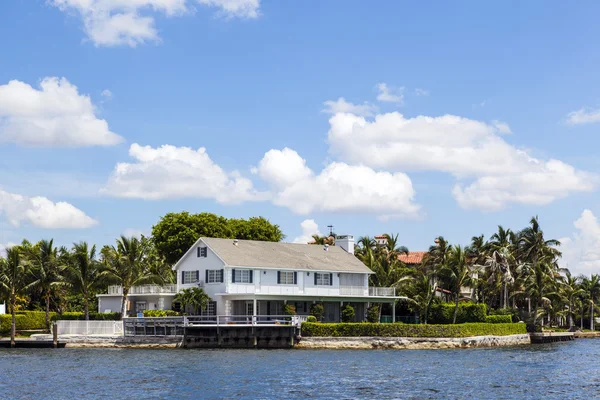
<point x="175" y="233"/>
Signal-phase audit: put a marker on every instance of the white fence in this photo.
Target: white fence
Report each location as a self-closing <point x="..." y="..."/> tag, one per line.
<point x="86" y="328"/>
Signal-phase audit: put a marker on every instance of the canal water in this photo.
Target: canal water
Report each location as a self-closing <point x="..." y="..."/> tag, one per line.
<point x="568" y="370"/>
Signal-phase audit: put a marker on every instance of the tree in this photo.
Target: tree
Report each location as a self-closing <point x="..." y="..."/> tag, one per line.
<point x="591" y="288"/>
<point x="571" y="290"/>
<point x="84" y="272"/>
<point x="12" y="281"/>
<point x="456" y="273"/>
<point x="175" y="233"/>
<point x="194" y="298"/>
<point x="47" y="271"/>
<point x="126" y="265"/>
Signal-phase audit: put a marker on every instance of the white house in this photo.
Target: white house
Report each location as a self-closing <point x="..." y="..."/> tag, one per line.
<point x="2" y="309"/>
<point x="245" y="277"/>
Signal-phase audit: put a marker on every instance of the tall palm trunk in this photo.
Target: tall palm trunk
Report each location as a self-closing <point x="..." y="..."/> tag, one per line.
<point x="124" y="303"/>
<point x="570" y="314"/>
<point x="592" y="315"/>
<point x="455" y="310"/>
<point x="86" y="306"/>
<point x="48" y="311"/>
<point x="13" y="326"/>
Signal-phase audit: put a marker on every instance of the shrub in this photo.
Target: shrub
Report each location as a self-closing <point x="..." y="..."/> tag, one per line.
<point x="348" y="313"/>
<point x="406" y="330"/>
<point x="160" y="313"/>
<point x="289" y="309"/>
<point x="373" y="313"/>
<point x="25" y="321"/>
<point x="443" y="313"/>
<point x="317" y="310"/>
<point x="507" y="311"/>
<point x="311" y="318"/>
<point x="498" y="319"/>
<point x="109" y="316"/>
<point x="79" y="316"/>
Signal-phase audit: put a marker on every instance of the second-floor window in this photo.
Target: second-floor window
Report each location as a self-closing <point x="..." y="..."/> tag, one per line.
<point x="190" y="277"/>
<point x="241" y="276"/>
<point x="214" y="276"/>
<point x="322" y="279"/>
<point x="286" y="277"/>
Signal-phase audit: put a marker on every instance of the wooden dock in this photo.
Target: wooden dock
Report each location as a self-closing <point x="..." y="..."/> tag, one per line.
<point x="551" y="337"/>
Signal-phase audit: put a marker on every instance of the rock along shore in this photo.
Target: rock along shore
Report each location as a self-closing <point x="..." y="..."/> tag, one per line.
<point x="367" y="343"/>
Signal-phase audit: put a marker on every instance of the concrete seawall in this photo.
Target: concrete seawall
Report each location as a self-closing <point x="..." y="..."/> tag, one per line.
<point x="410" y="343"/>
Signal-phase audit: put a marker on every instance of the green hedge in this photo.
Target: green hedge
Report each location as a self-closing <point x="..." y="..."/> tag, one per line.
<point x="79" y="316"/>
<point x="406" y="330"/>
<point x="506" y="311"/>
<point x="160" y="313"/>
<point x="443" y="313"/>
<point x="25" y="321"/>
<point x="498" y="319"/>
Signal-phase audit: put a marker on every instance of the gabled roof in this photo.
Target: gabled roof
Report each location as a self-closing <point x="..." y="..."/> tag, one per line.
<point x="278" y="255"/>
<point x="413" y="257"/>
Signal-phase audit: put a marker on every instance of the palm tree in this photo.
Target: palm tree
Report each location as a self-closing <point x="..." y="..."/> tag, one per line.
<point x="12" y="281"/>
<point x="591" y="288"/>
<point x="571" y="290"/>
<point x="194" y="298"/>
<point x="84" y="272"/>
<point x="47" y="271"/>
<point x="126" y="265"/>
<point x="538" y="280"/>
<point x="457" y="273"/>
<point x="498" y="263"/>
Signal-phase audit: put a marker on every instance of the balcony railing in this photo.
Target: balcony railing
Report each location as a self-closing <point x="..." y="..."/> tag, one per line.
<point x="382" y="291"/>
<point x="145" y="289"/>
<point x="352" y="290"/>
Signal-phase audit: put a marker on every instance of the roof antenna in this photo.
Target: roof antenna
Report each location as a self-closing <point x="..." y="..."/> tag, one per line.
<point x="330" y="230"/>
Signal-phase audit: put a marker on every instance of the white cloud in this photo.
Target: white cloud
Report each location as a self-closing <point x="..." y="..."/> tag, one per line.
<point x="581" y="252"/>
<point x="583" y="116"/>
<point x="131" y="232"/>
<point x="56" y="115"/>
<point x="3" y="248"/>
<point x="342" y="106"/>
<point x="235" y="8"/>
<point x="309" y="228"/>
<point x="169" y="172"/>
<point x="465" y="148"/>
<point x="337" y="188"/>
<point x="421" y="92"/>
<point x="502" y="127"/>
<point x="389" y="95"/>
<point x="107" y="94"/>
<point x="42" y="212"/>
<point x="131" y="22"/>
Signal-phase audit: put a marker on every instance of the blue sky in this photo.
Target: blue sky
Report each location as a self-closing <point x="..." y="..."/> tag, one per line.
<point x="456" y="117"/>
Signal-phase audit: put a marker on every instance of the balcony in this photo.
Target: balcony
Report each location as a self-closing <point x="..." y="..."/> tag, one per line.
<point x="353" y="290"/>
<point x="382" y="291"/>
<point x="145" y="289"/>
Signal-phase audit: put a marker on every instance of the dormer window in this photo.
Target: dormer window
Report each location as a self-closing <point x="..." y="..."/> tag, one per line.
<point x="202" y="251"/>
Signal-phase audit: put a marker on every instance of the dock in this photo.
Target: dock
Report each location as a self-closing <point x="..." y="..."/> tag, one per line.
<point x="31" y="344"/>
<point x="551" y="337"/>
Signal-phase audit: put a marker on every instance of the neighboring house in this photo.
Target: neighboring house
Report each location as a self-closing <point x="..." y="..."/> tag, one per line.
<point x="245" y="277"/>
<point x="2" y="309"/>
<point x="139" y="298"/>
<point x="381" y="240"/>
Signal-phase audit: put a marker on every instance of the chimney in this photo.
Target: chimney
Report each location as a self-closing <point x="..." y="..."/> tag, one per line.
<point x="346" y="242"/>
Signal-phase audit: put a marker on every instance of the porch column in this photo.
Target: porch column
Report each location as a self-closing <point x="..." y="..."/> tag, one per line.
<point x="254" y="307"/>
<point x="394" y="311"/>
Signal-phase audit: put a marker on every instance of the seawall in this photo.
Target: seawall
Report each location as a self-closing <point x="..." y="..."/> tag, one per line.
<point x="411" y="343"/>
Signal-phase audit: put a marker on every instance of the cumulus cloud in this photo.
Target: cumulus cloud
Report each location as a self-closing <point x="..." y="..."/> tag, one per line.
<point x="131" y="22"/>
<point x="169" y="172"/>
<point x="342" y="106"/>
<point x="337" y="188"/>
<point x="388" y="94"/>
<point x="42" y="212"/>
<point x="55" y="115"/>
<point x="583" y="116"/>
<point x="581" y="251"/>
<point x="495" y="172"/>
<point x="309" y="228"/>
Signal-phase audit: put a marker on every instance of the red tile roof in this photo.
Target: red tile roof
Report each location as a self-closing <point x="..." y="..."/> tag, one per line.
<point x="381" y="237"/>
<point x="413" y="257"/>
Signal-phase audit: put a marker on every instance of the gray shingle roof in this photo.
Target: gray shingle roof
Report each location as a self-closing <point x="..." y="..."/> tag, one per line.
<point x="250" y="253"/>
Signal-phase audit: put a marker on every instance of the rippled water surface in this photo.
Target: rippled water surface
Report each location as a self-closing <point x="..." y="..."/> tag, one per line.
<point x="556" y="371"/>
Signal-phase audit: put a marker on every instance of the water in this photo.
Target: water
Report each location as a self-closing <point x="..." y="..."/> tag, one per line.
<point x="555" y="371"/>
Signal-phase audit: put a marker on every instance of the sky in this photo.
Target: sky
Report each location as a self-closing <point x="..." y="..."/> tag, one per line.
<point x="445" y="118"/>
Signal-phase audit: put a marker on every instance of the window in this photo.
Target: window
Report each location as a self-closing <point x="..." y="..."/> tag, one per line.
<point x="241" y="276"/>
<point x="322" y="279"/>
<point x="286" y="278"/>
<point x="211" y="308"/>
<point x="214" y="276"/>
<point x="190" y="277"/>
<point x="202" y="251"/>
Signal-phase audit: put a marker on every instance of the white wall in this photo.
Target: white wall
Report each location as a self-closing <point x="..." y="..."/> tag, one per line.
<point x="109" y="303"/>
<point x="194" y="263"/>
<point x="2" y="309"/>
